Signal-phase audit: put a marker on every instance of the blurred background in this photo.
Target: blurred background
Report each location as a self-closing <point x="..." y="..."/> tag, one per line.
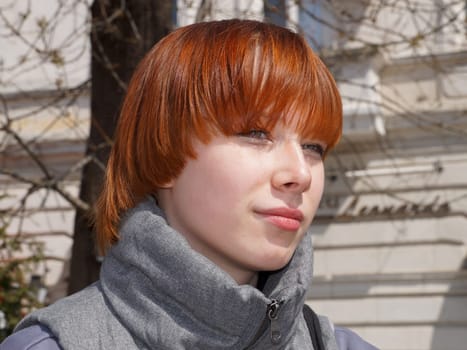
<point x="390" y="236"/>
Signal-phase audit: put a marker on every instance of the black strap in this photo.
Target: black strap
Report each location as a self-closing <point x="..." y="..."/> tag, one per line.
<point x="312" y="323"/>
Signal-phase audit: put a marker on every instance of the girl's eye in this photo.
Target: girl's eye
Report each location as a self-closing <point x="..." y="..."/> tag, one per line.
<point x="315" y="148"/>
<point x="257" y="134"/>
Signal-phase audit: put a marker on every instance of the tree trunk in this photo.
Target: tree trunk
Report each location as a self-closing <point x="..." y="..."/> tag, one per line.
<point x="119" y="39"/>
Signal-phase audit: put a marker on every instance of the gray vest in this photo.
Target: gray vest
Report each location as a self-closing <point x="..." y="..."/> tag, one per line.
<point x="155" y="292"/>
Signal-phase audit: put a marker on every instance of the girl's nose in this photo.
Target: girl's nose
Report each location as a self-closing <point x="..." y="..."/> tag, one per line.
<point x="292" y="170"/>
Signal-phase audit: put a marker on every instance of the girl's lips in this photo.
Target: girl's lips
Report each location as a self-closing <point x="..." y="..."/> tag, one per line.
<point x="286" y="224"/>
<point x="287" y="219"/>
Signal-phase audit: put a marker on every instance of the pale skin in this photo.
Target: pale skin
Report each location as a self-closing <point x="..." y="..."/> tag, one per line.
<point x="247" y="200"/>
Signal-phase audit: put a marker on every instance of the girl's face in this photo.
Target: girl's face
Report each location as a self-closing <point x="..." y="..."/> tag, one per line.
<point x="247" y="200"/>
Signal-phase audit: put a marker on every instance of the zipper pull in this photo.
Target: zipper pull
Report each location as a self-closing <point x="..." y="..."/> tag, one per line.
<point x="273" y="312"/>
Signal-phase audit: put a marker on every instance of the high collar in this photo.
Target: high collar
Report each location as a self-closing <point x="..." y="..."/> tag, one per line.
<point x="169" y="296"/>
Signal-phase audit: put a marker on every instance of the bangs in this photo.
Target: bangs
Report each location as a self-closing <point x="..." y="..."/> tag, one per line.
<point x="271" y="76"/>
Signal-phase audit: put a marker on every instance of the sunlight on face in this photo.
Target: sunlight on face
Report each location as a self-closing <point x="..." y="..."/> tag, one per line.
<point x="247" y="200"/>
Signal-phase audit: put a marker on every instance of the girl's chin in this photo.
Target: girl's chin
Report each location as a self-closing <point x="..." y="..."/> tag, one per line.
<point x="273" y="262"/>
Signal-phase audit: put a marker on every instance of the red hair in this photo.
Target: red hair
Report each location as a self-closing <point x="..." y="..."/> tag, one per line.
<point x="207" y="78"/>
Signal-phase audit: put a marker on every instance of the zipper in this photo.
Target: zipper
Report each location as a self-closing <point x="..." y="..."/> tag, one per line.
<point x="273" y="313"/>
<point x="270" y="320"/>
